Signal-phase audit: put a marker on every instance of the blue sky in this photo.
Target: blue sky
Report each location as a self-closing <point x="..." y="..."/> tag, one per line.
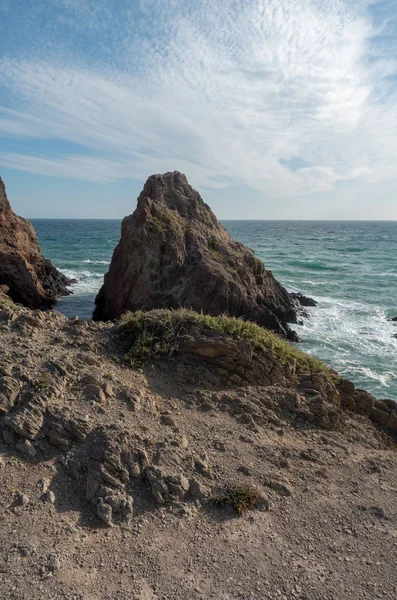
<point x="272" y="108"/>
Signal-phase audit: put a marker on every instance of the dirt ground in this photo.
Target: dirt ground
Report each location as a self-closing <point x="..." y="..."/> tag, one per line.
<point x="325" y="526"/>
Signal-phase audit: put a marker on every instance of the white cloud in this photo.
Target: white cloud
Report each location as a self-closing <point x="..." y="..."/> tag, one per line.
<point x="221" y="93"/>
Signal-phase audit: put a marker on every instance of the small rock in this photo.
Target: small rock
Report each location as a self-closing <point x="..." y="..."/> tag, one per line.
<point x="49" y="497"/>
<point x="26" y="448"/>
<point x="52" y="563"/>
<point x="104" y="512"/>
<point x="108" y="390"/>
<point x="198" y="489"/>
<point x="168" y="420"/>
<point x="218" y="445"/>
<point x="244" y="470"/>
<point x="21" y="499"/>
<point x="44" y="484"/>
<point x="9" y="436"/>
<point x="89" y="379"/>
<point x="94" y="392"/>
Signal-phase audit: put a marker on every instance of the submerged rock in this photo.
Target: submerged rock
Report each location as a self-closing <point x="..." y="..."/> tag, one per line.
<point x="174" y="253"/>
<point x="31" y="279"/>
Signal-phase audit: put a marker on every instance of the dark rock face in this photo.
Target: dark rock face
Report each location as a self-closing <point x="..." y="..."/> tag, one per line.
<point x="174" y="253"/>
<point x="31" y="279"/>
<point x="303" y="300"/>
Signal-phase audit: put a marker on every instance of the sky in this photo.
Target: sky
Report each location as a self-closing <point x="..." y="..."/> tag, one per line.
<point x="274" y="109"/>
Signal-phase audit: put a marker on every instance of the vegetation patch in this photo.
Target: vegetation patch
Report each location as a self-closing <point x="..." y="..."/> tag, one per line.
<point x="240" y="498"/>
<point x="44" y="381"/>
<point x="155" y="333"/>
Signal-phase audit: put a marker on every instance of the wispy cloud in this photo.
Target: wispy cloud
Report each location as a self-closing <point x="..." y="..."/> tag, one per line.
<point x="231" y="92"/>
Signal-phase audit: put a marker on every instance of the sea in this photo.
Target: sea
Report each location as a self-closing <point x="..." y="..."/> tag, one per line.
<point x="348" y="267"/>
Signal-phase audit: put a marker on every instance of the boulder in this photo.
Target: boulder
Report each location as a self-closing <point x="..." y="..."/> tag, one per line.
<point x="303" y="300"/>
<point x="31" y="279"/>
<point x="174" y="253"/>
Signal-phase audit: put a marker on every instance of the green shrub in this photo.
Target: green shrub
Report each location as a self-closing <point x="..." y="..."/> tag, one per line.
<point x="240" y="498"/>
<point x="155" y="333"/>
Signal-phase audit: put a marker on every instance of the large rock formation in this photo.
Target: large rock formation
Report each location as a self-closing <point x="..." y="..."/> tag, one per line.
<point x="174" y="253"/>
<point x="32" y="280"/>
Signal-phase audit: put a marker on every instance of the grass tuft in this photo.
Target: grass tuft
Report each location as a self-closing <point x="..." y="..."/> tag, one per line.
<point x="155" y="333"/>
<point x="240" y="498"/>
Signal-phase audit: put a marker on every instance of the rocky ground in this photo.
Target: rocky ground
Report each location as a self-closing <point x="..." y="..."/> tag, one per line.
<point x="109" y="472"/>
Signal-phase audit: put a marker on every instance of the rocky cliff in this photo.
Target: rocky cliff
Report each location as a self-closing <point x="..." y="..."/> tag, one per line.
<point x="228" y="465"/>
<point x="31" y="279"/>
<point x="174" y="253"/>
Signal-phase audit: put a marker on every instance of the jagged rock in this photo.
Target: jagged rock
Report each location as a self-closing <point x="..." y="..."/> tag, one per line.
<point x="303" y="300"/>
<point x="32" y="280"/>
<point x="198" y="489"/>
<point x="26" y="448"/>
<point x="9" y="390"/>
<point x="95" y="393"/>
<point x="106" y="461"/>
<point x="174" y="252"/>
<point x="21" y="499"/>
<point x="28" y="421"/>
<point x="89" y="379"/>
<point x="166" y="488"/>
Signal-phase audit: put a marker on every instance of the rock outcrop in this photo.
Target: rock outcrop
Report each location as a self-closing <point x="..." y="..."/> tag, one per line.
<point x="31" y="279"/>
<point x="174" y="253"/>
<point x="210" y="465"/>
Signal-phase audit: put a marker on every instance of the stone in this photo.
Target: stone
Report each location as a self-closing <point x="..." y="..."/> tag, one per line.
<point x="303" y="300"/>
<point x="52" y="563"/>
<point x="21" y="499"/>
<point x="9" y="436"/>
<point x="168" y="420"/>
<point x="392" y="422"/>
<point x="280" y="487"/>
<point x="9" y="390"/>
<point x="174" y="253"/>
<point x="94" y="392"/>
<point x="49" y="497"/>
<point x="364" y="401"/>
<point x="44" y="484"/>
<point x="28" y="421"/>
<point x="89" y="379"/>
<point x="92" y="486"/>
<point x="31" y="279"/>
<point x="104" y="512"/>
<point x="26" y="448"/>
<point x="107" y="389"/>
<point x="198" y="489"/>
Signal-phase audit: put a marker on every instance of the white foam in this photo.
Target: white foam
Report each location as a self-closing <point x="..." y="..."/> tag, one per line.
<point x="96" y="262"/>
<point x="356" y="339"/>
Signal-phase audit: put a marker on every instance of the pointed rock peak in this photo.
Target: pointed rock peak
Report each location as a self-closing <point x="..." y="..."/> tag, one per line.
<point x="4" y="204"/>
<point x="172" y="191"/>
<point x="31" y="279"/>
<point x="174" y="253"/>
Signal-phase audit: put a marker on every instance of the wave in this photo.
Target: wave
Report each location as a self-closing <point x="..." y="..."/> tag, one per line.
<point x="96" y="262"/>
<point x="311" y="264"/>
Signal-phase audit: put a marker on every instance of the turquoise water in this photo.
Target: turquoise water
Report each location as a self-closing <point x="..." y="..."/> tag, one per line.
<point x="350" y="268"/>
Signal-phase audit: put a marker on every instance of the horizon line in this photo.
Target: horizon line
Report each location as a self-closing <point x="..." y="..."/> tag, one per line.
<point x="222" y="219"/>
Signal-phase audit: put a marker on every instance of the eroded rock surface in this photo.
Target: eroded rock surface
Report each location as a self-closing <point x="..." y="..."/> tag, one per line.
<point x="174" y="253"/>
<point x="113" y="495"/>
<point x="31" y="279"/>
